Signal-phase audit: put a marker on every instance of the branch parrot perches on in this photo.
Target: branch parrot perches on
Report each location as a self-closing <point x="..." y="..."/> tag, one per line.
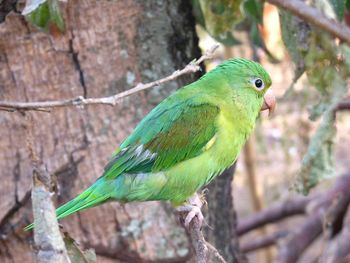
<point x="184" y="142"/>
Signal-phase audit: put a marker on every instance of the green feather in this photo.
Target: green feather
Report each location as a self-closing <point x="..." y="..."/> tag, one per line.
<point x="184" y="142"/>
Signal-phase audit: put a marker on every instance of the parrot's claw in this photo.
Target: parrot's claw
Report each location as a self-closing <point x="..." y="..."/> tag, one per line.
<point x="193" y="211"/>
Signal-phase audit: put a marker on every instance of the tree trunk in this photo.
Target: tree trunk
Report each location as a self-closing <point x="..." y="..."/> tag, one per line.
<point x="222" y="218"/>
<point x="107" y="47"/>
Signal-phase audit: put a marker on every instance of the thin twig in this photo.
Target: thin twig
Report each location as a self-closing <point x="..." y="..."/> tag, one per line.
<point x="110" y="100"/>
<point x="314" y="17"/>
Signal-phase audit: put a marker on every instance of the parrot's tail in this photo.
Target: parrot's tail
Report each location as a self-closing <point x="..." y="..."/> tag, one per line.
<point x="91" y="197"/>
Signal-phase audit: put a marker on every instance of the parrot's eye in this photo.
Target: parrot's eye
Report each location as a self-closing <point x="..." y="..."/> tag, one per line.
<point x="258" y="83"/>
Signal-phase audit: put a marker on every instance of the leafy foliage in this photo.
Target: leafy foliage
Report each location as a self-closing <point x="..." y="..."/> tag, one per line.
<point x="339" y="8"/>
<point x="326" y="65"/>
<point x="43" y="13"/>
<point x="218" y="18"/>
<point x="325" y="62"/>
<point x="296" y="38"/>
<point x="254" y="10"/>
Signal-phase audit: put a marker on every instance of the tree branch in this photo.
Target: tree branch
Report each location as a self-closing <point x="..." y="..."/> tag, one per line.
<point x="263" y="241"/>
<point x="273" y="214"/>
<point x="205" y="252"/>
<point x="345" y="105"/>
<point x="48" y="240"/>
<point x="314" y="17"/>
<point x="331" y="202"/>
<point x="49" y="243"/>
<point x="111" y="100"/>
<point x="198" y="241"/>
<point x="339" y="247"/>
<point x="291" y="247"/>
<point x="223" y="231"/>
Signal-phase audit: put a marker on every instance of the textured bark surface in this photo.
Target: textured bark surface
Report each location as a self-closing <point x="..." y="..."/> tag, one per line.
<point x="108" y="46"/>
<point x="222" y="218"/>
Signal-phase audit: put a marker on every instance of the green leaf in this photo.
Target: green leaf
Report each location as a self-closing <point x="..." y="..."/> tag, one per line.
<point x="219" y="18"/>
<point x="254" y="10"/>
<point x="339" y="8"/>
<point x="40" y="16"/>
<point x="217" y="8"/>
<point x="347" y="5"/>
<point x="42" y="13"/>
<point x="55" y="14"/>
<point x="197" y="13"/>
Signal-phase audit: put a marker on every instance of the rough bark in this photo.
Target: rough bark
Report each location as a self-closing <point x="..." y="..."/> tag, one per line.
<point x="222" y="219"/>
<point x="108" y="46"/>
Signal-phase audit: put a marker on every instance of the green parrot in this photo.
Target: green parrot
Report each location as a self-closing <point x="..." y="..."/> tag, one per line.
<point x="185" y="142"/>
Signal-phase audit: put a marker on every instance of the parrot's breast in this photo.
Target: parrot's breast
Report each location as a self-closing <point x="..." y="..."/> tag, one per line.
<point x="220" y="152"/>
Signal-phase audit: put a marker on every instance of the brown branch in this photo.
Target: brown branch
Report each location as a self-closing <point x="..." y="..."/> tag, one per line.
<point x="293" y="245"/>
<point x="205" y="252"/>
<point x="48" y="240"/>
<point x="49" y="243"/>
<point x="330" y="220"/>
<point x="339" y="248"/>
<point x="215" y="253"/>
<point x="314" y="17"/>
<point x="111" y="100"/>
<point x="345" y="105"/>
<point x="223" y="222"/>
<point x="198" y="241"/>
<point x="324" y="212"/>
<point x="263" y="241"/>
<point x="333" y="219"/>
<point x="272" y="214"/>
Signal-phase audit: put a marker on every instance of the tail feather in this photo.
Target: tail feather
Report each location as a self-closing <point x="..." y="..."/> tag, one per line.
<point x="77" y="205"/>
<point x="91" y="197"/>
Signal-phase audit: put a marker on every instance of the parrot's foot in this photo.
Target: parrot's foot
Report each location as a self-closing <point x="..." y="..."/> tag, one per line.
<point x="193" y="209"/>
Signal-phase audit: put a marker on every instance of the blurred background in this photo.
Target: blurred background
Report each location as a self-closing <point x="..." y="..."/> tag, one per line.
<point x="285" y="200"/>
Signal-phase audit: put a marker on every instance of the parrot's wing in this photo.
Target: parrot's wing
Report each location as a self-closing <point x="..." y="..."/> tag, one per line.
<point x="167" y="136"/>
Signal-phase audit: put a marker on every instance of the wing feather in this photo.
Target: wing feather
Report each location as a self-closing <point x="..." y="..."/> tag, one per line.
<point x="167" y="136"/>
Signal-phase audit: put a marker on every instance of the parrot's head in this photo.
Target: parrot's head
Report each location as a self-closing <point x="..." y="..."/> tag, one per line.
<point x="250" y="83"/>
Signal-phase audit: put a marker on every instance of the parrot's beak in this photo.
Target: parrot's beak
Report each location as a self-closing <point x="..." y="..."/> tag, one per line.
<point x="269" y="102"/>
